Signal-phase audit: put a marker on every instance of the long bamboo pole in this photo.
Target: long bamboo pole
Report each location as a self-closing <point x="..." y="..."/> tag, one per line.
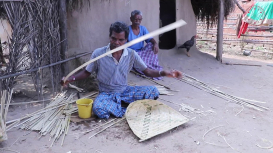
<point x="167" y="28"/>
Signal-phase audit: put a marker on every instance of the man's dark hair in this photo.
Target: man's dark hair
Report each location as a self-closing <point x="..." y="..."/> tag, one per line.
<point x="119" y="27"/>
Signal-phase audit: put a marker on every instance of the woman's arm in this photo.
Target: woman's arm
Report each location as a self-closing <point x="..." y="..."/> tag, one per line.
<point x="155" y="47"/>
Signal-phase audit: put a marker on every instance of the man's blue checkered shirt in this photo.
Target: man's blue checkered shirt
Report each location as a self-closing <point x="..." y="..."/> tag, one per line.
<point x="111" y="74"/>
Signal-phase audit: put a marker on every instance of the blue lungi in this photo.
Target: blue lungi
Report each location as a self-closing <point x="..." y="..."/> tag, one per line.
<point x="110" y="103"/>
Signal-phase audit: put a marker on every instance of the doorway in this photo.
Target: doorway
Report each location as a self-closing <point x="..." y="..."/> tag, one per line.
<point x="167" y="16"/>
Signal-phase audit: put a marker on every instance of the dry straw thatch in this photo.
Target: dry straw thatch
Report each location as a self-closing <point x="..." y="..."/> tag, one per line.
<point x="71" y="5"/>
<point x="208" y="10"/>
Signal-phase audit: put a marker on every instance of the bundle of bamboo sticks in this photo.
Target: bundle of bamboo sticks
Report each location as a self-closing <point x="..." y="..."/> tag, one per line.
<point x="242" y="101"/>
<point x="5" y="101"/>
<point x="54" y="119"/>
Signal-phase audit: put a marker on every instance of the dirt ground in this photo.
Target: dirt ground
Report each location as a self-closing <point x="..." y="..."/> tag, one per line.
<point x="233" y="131"/>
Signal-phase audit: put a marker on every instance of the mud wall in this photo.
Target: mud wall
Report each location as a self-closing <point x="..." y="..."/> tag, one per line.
<point x="184" y="11"/>
<point x="88" y="29"/>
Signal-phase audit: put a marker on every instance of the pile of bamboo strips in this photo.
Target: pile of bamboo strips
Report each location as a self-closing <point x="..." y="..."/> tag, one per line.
<point x="5" y="101"/>
<point x="54" y="119"/>
<point x="202" y="86"/>
<point x="163" y="90"/>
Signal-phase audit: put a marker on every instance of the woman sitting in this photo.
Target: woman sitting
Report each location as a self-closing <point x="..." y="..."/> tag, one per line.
<point x="149" y="52"/>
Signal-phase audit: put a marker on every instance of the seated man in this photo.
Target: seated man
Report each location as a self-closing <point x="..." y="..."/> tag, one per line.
<point x="112" y="73"/>
<point x="148" y="53"/>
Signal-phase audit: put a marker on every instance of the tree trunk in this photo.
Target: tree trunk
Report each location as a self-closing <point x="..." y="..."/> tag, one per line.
<point x="63" y="32"/>
<point x="220" y="31"/>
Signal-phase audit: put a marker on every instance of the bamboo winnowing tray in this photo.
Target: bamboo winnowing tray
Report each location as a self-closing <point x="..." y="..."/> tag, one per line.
<point x="148" y="118"/>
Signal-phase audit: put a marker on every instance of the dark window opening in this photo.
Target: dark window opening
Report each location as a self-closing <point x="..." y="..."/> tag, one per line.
<point x="167" y="16"/>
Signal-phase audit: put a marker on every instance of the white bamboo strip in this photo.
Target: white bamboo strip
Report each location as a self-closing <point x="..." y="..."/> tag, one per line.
<point x="50" y="128"/>
<point x="94" y="128"/>
<point x="267" y="147"/>
<point x="61" y="128"/>
<point x="56" y="131"/>
<point x="7" y="104"/>
<point x="2" y="117"/>
<point x="75" y="87"/>
<point x="231" y="98"/>
<point x="106" y="127"/>
<point x="211" y="142"/>
<point x="255" y="101"/>
<point x="167" y="28"/>
<point x="66" y="130"/>
<point x="227" y="142"/>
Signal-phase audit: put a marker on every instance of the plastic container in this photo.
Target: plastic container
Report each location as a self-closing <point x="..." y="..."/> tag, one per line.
<point x="84" y="107"/>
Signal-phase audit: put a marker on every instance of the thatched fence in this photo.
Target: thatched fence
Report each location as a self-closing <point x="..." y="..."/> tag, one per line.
<point x="34" y="42"/>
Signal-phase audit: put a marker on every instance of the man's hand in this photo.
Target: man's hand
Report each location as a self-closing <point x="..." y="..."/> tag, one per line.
<point x="64" y="84"/>
<point x="173" y="74"/>
<point x="154" y="73"/>
<point x="79" y="76"/>
<point x="155" y="48"/>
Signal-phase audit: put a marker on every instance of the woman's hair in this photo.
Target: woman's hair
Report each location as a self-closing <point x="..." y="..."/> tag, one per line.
<point x="135" y="12"/>
<point x="119" y="27"/>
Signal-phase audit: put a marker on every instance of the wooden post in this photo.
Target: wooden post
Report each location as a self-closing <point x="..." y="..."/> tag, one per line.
<point x="220" y="32"/>
<point x="239" y="6"/>
<point x="63" y="32"/>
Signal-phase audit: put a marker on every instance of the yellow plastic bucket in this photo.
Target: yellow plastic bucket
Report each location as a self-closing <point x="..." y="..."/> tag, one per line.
<point x="84" y="107"/>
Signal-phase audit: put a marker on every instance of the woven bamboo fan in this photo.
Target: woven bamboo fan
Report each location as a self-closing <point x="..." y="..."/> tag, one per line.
<point x="148" y="118"/>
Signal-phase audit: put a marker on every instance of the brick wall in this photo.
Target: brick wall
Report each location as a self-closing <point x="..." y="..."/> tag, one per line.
<point x="230" y="25"/>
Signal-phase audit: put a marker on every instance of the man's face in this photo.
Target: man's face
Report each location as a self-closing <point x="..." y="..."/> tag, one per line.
<point x="117" y="39"/>
<point x="136" y="20"/>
